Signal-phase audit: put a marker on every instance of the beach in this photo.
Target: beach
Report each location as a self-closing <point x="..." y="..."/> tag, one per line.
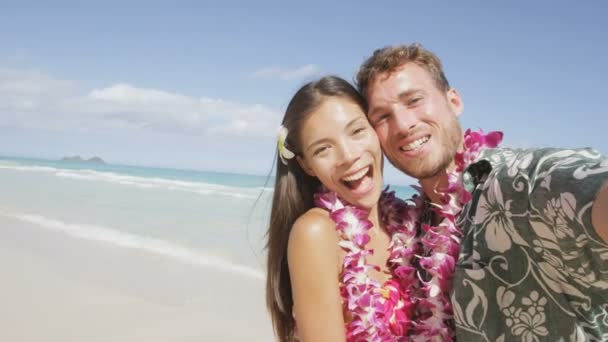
<point x="93" y="252"/>
<point x="59" y="288"/>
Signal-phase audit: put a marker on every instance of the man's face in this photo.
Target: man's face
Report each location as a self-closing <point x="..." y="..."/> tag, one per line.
<point x="416" y="122"/>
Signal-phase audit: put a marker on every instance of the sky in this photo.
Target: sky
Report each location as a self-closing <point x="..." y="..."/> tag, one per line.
<point x="203" y="84"/>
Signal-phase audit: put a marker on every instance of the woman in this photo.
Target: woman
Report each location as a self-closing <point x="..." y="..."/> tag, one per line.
<point x="328" y="267"/>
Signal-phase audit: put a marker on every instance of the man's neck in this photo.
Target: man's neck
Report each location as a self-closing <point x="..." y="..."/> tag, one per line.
<point x="434" y="186"/>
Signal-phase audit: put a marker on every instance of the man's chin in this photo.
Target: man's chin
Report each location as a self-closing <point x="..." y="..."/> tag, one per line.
<point x="422" y="175"/>
<point x="424" y="172"/>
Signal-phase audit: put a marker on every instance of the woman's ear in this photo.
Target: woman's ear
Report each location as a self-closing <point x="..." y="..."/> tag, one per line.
<point x="304" y="165"/>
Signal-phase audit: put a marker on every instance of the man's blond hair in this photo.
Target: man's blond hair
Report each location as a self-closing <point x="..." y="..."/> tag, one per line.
<point x="390" y="58"/>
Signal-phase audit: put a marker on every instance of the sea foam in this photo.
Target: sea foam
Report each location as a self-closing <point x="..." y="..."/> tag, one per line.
<point x="145" y="182"/>
<point x="128" y="240"/>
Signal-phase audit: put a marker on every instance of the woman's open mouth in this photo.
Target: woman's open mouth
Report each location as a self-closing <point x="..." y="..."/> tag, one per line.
<point x="359" y="182"/>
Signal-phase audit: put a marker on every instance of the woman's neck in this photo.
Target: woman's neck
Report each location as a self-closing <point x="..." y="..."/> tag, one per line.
<point x="374" y="217"/>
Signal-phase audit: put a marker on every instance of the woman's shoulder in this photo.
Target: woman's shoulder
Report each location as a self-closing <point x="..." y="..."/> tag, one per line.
<point x="315" y="217"/>
<point x="314" y="225"/>
<point x="314" y="230"/>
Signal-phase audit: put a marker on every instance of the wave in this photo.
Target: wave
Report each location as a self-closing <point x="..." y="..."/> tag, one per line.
<point x="128" y="240"/>
<point x="145" y="182"/>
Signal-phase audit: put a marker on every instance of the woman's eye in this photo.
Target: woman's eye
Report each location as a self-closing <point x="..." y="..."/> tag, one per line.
<point x="359" y="130"/>
<point x="414" y="101"/>
<point x="320" y="150"/>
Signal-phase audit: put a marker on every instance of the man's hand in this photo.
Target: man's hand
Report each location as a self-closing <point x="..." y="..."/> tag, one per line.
<point x="599" y="214"/>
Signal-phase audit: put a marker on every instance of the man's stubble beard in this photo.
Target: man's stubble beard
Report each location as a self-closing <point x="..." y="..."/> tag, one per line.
<point x="431" y="166"/>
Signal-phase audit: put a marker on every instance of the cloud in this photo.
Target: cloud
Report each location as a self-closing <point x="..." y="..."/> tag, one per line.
<point x="17" y="84"/>
<point x="33" y="99"/>
<point x="287" y="74"/>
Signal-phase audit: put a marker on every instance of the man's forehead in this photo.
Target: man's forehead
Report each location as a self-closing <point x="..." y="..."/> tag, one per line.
<point x="382" y="84"/>
<point x="385" y="83"/>
<point x="385" y="75"/>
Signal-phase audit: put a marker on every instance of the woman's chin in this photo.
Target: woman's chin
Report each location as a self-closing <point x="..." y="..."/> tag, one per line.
<point x="368" y="200"/>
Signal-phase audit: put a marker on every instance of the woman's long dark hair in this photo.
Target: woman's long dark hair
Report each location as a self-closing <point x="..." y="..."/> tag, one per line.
<point x="293" y="196"/>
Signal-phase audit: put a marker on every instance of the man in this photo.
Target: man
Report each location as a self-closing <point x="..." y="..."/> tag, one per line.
<point x="533" y="261"/>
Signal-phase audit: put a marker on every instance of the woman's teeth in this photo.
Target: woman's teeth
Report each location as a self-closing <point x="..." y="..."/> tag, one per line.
<point x="415" y="144"/>
<point x="356" y="176"/>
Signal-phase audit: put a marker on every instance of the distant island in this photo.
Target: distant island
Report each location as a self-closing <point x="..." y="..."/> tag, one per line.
<point x="79" y="159"/>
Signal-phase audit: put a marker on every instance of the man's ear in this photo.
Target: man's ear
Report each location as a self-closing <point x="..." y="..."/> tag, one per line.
<point x="455" y="101"/>
<point x="305" y="167"/>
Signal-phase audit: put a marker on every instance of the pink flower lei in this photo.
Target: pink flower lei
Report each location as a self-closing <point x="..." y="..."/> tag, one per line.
<point x="414" y="304"/>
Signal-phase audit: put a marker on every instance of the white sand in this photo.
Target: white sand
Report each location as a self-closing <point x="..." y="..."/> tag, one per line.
<point x="57" y="288"/>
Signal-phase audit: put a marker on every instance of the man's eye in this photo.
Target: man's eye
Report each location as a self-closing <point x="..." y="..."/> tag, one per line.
<point x="381" y="117"/>
<point x="414" y="101"/>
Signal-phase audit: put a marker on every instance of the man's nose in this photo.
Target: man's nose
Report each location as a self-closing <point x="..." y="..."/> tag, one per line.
<point x="404" y="121"/>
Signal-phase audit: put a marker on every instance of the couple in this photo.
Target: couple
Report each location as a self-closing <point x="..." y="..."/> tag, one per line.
<point x="500" y="245"/>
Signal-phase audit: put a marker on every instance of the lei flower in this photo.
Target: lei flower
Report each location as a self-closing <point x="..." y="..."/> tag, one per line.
<point x="414" y="304"/>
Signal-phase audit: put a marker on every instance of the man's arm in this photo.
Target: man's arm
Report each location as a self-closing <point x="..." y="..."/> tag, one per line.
<point x="599" y="214"/>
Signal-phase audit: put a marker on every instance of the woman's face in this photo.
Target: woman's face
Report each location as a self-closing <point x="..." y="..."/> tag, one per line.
<point x="341" y="149"/>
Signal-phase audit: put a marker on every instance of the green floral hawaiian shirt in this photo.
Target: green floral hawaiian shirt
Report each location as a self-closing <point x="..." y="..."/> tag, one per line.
<point x="531" y="265"/>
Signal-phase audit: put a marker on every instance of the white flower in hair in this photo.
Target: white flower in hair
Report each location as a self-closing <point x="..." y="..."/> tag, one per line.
<point x="284" y="153"/>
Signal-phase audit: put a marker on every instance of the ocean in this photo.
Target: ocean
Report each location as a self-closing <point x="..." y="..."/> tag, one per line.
<point x="211" y="219"/>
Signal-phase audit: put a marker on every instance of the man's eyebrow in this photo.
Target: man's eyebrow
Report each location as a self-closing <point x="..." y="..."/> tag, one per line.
<point x="402" y="96"/>
<point x="375" y="110"/>
<point x="408" y="93"/>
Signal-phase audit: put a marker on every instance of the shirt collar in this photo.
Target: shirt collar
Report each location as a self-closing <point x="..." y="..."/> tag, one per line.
<point x="478" y="171"/>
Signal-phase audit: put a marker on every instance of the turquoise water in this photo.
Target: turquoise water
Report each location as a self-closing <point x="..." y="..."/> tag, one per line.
<point x="210" y="218"/>
<point x="230" y="179"/>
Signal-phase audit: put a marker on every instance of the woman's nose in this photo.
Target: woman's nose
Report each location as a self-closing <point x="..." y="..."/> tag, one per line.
<point x="348" y="153"/>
